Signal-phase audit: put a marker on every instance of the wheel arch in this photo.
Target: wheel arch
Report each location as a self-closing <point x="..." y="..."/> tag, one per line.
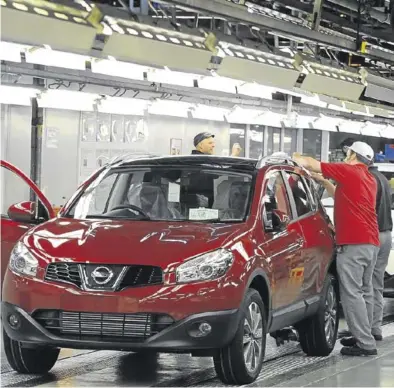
<point x="259" y="281"/>
<point x="332" y="269"/>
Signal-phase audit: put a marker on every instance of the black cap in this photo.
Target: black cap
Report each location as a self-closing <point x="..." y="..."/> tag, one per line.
<point x="202" y="136"/>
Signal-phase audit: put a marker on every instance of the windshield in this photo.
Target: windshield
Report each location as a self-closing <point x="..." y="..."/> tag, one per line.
<point x="163" y="193"/>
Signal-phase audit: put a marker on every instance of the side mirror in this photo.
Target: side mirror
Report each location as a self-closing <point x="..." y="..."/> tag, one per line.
<point x="22" y="212"/>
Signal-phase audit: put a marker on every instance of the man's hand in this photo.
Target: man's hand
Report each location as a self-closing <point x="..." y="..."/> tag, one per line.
<point x="319" y="178"/>
<point x="298" y="158"/>
<point x="307" y="162"/>
<point x="236" y="150"/>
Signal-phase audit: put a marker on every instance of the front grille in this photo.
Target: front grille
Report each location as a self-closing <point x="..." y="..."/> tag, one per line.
<point x="141" y="275"/>
<point x="64" y="272"/>
<point x="102" y="326"/>
<point x="135" y="275"/>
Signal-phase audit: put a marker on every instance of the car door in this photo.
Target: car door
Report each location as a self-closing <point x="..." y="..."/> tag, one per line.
<point x="318" y="246"/>
<point x="17" y="218"/>
<point x="282" y="242"/>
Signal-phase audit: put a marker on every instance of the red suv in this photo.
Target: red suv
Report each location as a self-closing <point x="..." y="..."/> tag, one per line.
<point x="187" y="254"/>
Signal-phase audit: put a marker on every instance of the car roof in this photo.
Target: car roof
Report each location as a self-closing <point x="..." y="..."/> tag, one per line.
<point x="198" y="160"/>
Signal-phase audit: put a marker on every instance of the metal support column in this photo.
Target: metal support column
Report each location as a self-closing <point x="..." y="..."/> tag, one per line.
<point x="325" y="146"/>
<point x="265" y="141"/>
<point x="37" y="118"/>
<point x="282" y="139"/>
<point x="300" y="140"/>
<point x="316" y="15"/>
<point x="247" y="141"/>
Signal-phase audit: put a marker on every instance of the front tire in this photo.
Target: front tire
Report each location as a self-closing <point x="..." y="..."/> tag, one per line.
<point x="318" y="333"/>
<point x="39" y="360"/>
<point x="240" y="362"/>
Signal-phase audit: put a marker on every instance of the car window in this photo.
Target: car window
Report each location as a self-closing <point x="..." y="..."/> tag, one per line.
<point x="300" y="194"/>
<point x="275" y="198"/>
<point x="162" y="193"/>
<point x="327" y="200"/>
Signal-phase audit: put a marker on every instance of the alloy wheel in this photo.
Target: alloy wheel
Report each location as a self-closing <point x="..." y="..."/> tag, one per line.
<point x="330" y="315"/>
<point x="253" y="337"/>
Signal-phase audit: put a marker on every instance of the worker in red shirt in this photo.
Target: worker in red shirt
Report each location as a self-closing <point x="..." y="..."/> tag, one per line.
<point x="357" y="238"/>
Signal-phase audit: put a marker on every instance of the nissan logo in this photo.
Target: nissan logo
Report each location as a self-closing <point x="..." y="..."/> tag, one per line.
<point x="102" y="275"/>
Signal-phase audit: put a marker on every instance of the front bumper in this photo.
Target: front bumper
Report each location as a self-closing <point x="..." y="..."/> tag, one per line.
<point x="175" y="338"/>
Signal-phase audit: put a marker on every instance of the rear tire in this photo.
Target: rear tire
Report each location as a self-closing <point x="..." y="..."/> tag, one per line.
<point x="39" y="360"/>
<point x="318" y="333"/>
<point x="240" y="362"/>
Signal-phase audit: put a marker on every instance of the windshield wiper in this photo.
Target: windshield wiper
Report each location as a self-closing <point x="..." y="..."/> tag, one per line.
<point x="141" y="218"/>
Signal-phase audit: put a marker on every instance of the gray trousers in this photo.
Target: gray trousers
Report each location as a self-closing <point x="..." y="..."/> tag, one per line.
<point x="355" y="266"/>
<point x="378" y="281"/>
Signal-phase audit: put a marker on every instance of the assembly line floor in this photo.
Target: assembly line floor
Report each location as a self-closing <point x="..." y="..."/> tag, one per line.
<point x="285" y="366"/>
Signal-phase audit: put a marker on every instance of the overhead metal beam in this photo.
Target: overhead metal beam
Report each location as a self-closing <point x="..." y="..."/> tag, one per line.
<point x="353" y="6"/>
<point x="306" y="8"/>
<point x="239" y="13"/>
<point x="182" y="93"/>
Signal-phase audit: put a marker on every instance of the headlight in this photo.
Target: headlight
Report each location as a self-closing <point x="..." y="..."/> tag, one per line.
<point x="209" y="266"/>
<point x="22" y="261"/>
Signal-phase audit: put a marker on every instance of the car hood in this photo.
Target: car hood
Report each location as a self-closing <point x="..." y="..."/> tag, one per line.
<point x="131" y="242"/>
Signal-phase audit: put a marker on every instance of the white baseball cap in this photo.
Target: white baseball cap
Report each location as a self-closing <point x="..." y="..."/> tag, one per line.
<point x="362" y="149"/>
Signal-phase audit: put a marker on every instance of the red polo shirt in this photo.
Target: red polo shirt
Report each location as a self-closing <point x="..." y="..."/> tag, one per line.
<point x="354" y="207"/>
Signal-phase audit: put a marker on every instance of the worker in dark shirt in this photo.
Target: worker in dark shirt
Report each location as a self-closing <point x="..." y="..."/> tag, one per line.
<point x="200" y="189"/>
<point x="357" y="238"/>
<point x="385" y="224"/>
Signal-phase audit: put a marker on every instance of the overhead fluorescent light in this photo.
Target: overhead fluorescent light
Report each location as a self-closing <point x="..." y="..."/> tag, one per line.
<point x="299" y="121"/>
<point x="205" y="112"/>
<point x="338" y="108"/>
<point x="253" y="89"/>
<point x="61" y="27"/>
<point x="257" y="66"/>
<point x="387" y="132"/>
<point x="170" y="108"/>
<point x="15" y="95"/>
<point x="380" y="88"/>
<point x="270" y="119"/>
<point x="350" y="126"/>
<point x="332" y="82"/>
<point x="325" y="123"/>
<point x="313" y="100"/>
<point x="239" y="115"/>
<point x="220" y="84"/>
<point x="372" y="129"/>
<point x="138" y="42"/>
<point x="118" y="69"/>
<point x="169" y="77"/>
<point x="125" y="106"/>
<point x="48" y="57"/>
<point x="11" y="51"/>
<point x="66" y="99"/>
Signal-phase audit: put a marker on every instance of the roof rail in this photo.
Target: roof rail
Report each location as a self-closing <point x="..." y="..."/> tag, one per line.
<point x="280" y="158"/>
<point x="130" y="157"/>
